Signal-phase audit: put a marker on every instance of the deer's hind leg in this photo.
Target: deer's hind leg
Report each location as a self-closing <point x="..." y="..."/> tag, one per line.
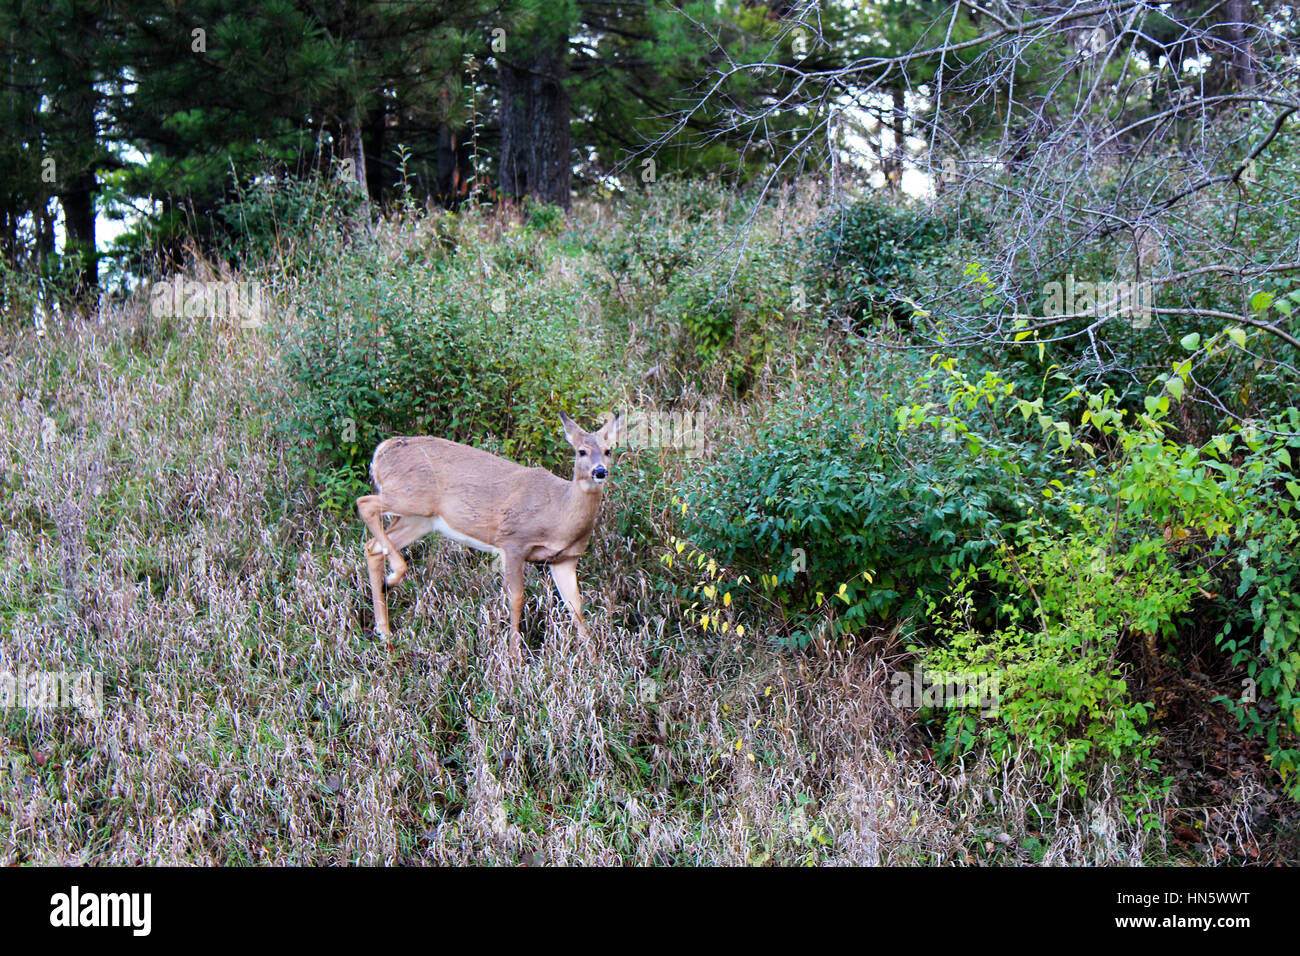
<point x="371" y="510"/>
<point x="375" y="567"/>
<point x="399" y="534"/>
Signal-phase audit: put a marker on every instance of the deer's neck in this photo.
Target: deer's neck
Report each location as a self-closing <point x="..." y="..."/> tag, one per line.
<point x="584" y="505"/>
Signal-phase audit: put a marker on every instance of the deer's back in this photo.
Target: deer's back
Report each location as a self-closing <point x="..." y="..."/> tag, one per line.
<point x="466" y="486"/>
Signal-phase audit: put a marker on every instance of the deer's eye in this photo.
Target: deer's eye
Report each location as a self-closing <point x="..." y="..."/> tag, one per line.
<point x="606" y="452"/>
<point x="582" y="453"/>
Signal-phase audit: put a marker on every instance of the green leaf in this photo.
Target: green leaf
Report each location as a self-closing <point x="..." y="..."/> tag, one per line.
<point x="1191" y="341"/>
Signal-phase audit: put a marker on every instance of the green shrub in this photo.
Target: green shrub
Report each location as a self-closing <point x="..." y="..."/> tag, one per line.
<point x="1141" y="542"/>
<point x="720" y="305"/>
<point x="1062" y="699"/>
<point x="1261" y="629"/>
<point x="289" y="215"/>
<point x="1073" y="593"/>
<point x="544" y="218"/>
<point x="877" y="516"/>
<point x="871" y="256"/>
<point x="729" y="312"/>
<point x="386" y="347"/>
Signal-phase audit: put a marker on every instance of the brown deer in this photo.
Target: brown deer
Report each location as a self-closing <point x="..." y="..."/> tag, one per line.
<point x="521" y="514"/>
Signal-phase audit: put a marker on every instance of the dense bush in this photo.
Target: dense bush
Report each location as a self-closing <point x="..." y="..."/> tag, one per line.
<point x="388" y="347"/>
<point x="544" y="218"/>
<point x="1060" y="699"/>
<point x="728" y="311"/>
<point x="1088" y="595"/>
<point x="870" y="257"/>
<point x="876" y="517"/>
<point x="274" y="217"/>
<point x="670" y="263"/>
<point x="660" y="231"/>
<point x="1260" y="601"/>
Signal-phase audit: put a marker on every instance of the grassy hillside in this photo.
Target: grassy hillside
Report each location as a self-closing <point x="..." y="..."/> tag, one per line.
<point x="176" y="493"/>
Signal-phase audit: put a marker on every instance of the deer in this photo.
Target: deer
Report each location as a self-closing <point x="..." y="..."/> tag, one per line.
<point x="522" y="515"/>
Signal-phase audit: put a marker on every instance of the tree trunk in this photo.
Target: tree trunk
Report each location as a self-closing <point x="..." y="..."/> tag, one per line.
<point x="78" y="201"/>
<point x="355" y="146"/>
<point x="1238" y="21"/>
<point x="375" y="144"/>
<point x="535" y="145"/>
<point x="79" y="189"/>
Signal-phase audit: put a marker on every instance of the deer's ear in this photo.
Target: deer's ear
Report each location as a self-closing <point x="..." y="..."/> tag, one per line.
<point x="612" y="430"/>
<point x="572" y="433"/>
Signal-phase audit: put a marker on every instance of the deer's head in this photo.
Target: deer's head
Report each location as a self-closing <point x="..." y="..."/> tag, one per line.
<point x="592" y="462"/>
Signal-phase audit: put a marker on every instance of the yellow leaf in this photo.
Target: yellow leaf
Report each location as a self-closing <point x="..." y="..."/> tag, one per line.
<point x="726" y="599"/>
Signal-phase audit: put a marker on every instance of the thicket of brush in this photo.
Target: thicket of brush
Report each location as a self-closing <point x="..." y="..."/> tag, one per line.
<point x="176" y="504"/>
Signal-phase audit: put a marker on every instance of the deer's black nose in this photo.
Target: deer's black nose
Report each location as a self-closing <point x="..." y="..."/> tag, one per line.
<point x="599" y="472"/>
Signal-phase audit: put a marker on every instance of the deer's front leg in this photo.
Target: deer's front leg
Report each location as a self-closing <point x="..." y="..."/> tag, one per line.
<point x="565" y="575"/>
<point x="512" y="573"/>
